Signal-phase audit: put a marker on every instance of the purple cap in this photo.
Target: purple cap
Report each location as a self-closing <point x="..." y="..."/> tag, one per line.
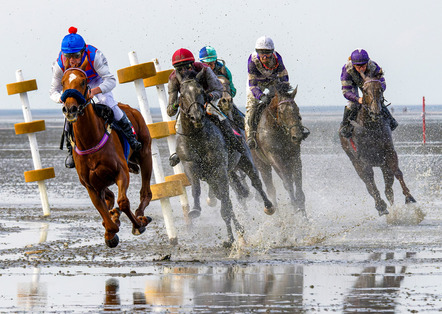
<point x="359" y="56"/>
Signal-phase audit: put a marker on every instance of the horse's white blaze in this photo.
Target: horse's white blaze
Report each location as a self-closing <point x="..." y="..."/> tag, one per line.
<point x="72" y="77"/>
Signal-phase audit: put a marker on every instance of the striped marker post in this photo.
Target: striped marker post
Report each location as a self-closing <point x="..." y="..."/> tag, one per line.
<point x="30" y="127"/>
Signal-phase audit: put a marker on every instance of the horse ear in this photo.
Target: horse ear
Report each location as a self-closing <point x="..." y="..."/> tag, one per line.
<point x="293" y="94"/>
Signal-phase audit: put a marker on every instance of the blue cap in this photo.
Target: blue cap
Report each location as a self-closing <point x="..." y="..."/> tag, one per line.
<point x="73" y="42"/>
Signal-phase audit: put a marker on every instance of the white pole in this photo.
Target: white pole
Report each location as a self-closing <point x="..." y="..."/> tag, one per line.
<point x="156" y="158"/>
<point x="34" y="146"/>
<point x="171" y="140"/>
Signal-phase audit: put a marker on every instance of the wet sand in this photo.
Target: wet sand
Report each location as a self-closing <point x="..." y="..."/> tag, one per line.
<point x="344" y="259"/>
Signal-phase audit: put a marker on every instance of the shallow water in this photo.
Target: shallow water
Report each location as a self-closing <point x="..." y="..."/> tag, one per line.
<point x="344" y="258"/>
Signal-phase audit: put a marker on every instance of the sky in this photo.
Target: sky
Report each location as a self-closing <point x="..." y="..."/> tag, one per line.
<point x="314" y="38"/>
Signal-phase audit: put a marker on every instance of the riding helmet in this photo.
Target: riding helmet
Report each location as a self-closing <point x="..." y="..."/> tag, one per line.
<point x="73" y="42"/>
<point x="182" y="56"/>
<point x="208" y="54"/>
<point x="359" y="57"/>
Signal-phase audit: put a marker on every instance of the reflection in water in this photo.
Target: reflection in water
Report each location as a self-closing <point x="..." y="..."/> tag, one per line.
<point x="228" y="288"/>
<point x="33" y="294"/>
<point x="371" y="293"/>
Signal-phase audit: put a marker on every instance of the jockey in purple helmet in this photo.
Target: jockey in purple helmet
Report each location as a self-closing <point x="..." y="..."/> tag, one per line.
<point x="74" y="52"/>
<point x="358" y="66"/>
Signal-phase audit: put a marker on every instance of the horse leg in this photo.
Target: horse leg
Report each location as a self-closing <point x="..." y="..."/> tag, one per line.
<point x="240" y="189"/>
<point x="110" y="198"/>
<point x="145" y="162"/>
<point x="297" y="176"/>
<point x="112" y="228"/>
<point x="246" y="165"/>
<point x="266" y="175"/>
<point x="221" y="190"/>
<point x="367" y="175"/>
<point x="211" y="198"/>
<point x="388" y="179"/>
<point x="122" y="181"/>
<point x="393" y="164"/>
<point x="196" y="194"/>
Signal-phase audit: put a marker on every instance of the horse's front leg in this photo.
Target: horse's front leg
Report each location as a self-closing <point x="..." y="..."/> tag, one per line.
<point x="388" y="180"/>
<point x="266" y="174"/>
<point x="297" y="176"/>
<point x="122" y="181"/>
<point x="196" y="194"/>
<point x="367" y="175"/>
<point x="112" y="228"/>
<point x="145" y="162"/>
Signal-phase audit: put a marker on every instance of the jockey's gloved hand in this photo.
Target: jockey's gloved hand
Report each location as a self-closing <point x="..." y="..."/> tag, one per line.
<point x="208" y="97"/>
<point x="265" y="99"/>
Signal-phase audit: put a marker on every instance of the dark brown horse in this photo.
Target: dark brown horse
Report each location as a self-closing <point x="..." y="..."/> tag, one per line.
<point x="279" y="135"/>
<point x="206" y="155"/>
<point x="100" y="160"/>
<point x="371" y="145"/>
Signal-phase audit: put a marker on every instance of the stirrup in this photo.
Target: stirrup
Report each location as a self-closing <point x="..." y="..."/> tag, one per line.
<point x="251" y="142"/>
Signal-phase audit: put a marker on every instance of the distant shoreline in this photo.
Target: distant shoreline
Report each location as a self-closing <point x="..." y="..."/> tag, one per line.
<point x="155" y="111"/>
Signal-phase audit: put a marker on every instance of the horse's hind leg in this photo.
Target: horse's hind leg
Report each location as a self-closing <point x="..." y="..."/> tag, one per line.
<point x="393" y="164"/>
<point x="388" y="179"/>
<point x="196" y="194"/>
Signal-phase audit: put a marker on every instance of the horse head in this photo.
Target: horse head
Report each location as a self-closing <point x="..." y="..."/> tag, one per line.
<point x="192" y="99"/>
<point x="75" y="90"/>
<point x="372" y="98"/>
<point x="287" y="112"/>
<point x="226" y="101"/>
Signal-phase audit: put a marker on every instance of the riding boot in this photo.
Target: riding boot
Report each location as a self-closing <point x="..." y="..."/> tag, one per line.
<point x="253" y="125"/>
<point x="231" y="138"/>
<point x="346" y="129"/>
<point x="128" y="131"/>
<point x="389" y="117"/>
<point x="69" y="161"/>
<point x="174" y="160"/>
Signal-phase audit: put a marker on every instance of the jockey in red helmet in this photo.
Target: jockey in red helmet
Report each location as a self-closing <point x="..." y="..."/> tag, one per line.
<point x="74" y="52"/>
<point x="183" y="60"/>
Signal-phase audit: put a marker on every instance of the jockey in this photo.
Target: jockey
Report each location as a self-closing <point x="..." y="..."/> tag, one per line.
<point x="208" y="56"/>
<point x="183" y="61"/>
<point x="74" y="52"/>
<point x="265" y="71"/>
<point x="359" y="66"/>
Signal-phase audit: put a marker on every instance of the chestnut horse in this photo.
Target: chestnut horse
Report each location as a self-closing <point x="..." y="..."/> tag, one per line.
<point x="99" y="157"/>
<point x="279" y="135"/>
<point x="371" y="145"/>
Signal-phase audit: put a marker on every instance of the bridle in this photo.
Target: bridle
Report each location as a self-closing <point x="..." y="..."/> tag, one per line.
<point x="372" y="114"/>
<point x="287" y="129"/>
<point x="82" y="100"/>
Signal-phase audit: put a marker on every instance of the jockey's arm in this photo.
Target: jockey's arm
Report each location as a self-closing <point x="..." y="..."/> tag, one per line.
<point x="214" y="85"/>
<point x="56" y="88"/>
<point x="173" y="88"/>
<point x="102" y="69"/>
<point x="348" y="86"/>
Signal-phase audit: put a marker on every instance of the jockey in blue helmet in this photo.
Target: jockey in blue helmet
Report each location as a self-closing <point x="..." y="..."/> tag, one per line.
<point x="75" y="53"/>
<point x="358" y="66"/>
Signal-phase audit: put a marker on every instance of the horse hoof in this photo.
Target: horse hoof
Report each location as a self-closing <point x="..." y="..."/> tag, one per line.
<point x="194" y="214"/>
<point x="269" y="210"/>
<point x="113" y="242"/>
<point x="383" y="212"/>
<point x="138" y="231"/>
<point x="409" y="199"/>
